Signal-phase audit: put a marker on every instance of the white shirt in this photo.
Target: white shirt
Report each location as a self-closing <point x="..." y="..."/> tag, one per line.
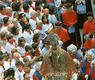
<point x="21" y="51"/>
<point x="28" y="37"/>
<point x="33" y="24"/>
<point x="19" y="75"/>
<point x="9" y="47"/>
<point x="6" y="65"/>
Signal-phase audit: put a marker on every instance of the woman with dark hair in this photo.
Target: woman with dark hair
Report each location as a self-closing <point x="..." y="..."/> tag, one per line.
<point x="47" y="27"/>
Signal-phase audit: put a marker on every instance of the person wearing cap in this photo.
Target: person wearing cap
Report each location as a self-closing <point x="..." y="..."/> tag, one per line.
<point x="46" y="48"/>
<point x="90" y="42"/>
<point x="89" y="25"/>
<point x="72" y="50"/>
<point x="62" y="33"/>
<point x="69" y="20"/>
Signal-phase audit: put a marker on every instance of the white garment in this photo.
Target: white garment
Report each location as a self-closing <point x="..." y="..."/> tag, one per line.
<point x="33" y="24"/>
<point x="1" y="69"/>
<point x="31" y="73"/>
<point x="28" y="37"/>
<point x="21" y="51"/>
<point x="46" y="27"/>
<point x="6" y="65"/>
<point x="9" y="47"/>
<point x="19" y="75"/>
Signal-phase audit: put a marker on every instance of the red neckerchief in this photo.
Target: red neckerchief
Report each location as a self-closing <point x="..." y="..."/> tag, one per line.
<point x="9" y="15"/>
<point x="29" y="32"/>
<point x="39" y="28"/>
<point x="73" y="56"/>
<point x="26" y="11"/>
<point x="12" y="42"/>
<point x="12" y="56"/>
<point x="32" y="18"/>
<point x="2" y="13"/>
<point x="27" y="54"/>
<point x="1" y="64"/>
<point x="38" y="52"/>
<point x="32" y="7"/>
<point x="20" y="70"/>
<point x="5" y="25"/>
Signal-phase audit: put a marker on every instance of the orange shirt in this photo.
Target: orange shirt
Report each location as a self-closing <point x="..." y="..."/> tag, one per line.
<point x="89" y="44"/>
<point x="88" y="27"/>
<point x="50" y="1"/>
<point x="63" y="34"/>
<point x="69" y="19"/>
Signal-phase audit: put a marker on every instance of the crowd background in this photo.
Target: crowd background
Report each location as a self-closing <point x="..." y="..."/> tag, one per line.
<point x="24" y="29"/>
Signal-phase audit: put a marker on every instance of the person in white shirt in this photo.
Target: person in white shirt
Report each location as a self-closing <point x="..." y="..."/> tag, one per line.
<point x="28" y="34"/>
<point x="32" y="20"/>
<point x="3" y="38"/>
<point x="19" y="72"/>
<point x="10" y="44"/>
<point x="27" y="69"/>
<point x="21" y="46"/>
<point x="16" y="57"/>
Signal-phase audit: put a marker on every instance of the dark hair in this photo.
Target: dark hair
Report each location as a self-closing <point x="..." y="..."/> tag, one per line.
<point x="14" y="30"/>
<point x="16" y="6"/>
<point x="34" y="45"/>
<point x="28" y="47"/>
<point x="52" y="10"/>
<point x="16" y="13"/>
<point x="26" y="6"/>
<point x="19" y="63"/>
<point x="43" y="17"/>
<point x="90" y="36"/>
<point x="38" y="3"/>
<point x="37" y="8"/>
<point x="30" y="2"/>
<point x="20" y="40"/>
<point x="9" y="72"/>
<point x="20" y="16"/>
<point x="2" y="7"/>
<point x="27" y="26"/>
<point x="10" y="36"/>
<point x="5" y="19"/>
<point x="36" y="37"/>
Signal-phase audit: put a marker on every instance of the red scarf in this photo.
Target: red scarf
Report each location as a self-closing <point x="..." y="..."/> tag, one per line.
<point x="32" y="18"/>
<point x="88" y="68"/>
<point x="73" y="56"/>
<point x="27" y="54"/>
<point x="1" y="64"/>
<point x="26" y="11"/>
<point x="5" y="25"/>
<point x="20" y="70"/>
<point x="12" y="42"/>
<point x="9" y="15"/>
<point x="29" y="32"/>
<point x="32" y="7"/>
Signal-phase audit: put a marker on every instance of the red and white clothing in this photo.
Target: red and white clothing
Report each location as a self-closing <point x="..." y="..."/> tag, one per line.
<point x="28" y="37"/>
<point x="22" y="51"/>
<point x="32" y="23"/>
<point x="19" y="74"/>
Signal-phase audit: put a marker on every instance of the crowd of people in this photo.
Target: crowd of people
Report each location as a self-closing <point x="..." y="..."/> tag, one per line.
<point x="25" y="27"/>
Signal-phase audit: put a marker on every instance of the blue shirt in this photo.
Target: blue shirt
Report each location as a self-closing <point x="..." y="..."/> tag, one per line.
<point x="44" y="50"/>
